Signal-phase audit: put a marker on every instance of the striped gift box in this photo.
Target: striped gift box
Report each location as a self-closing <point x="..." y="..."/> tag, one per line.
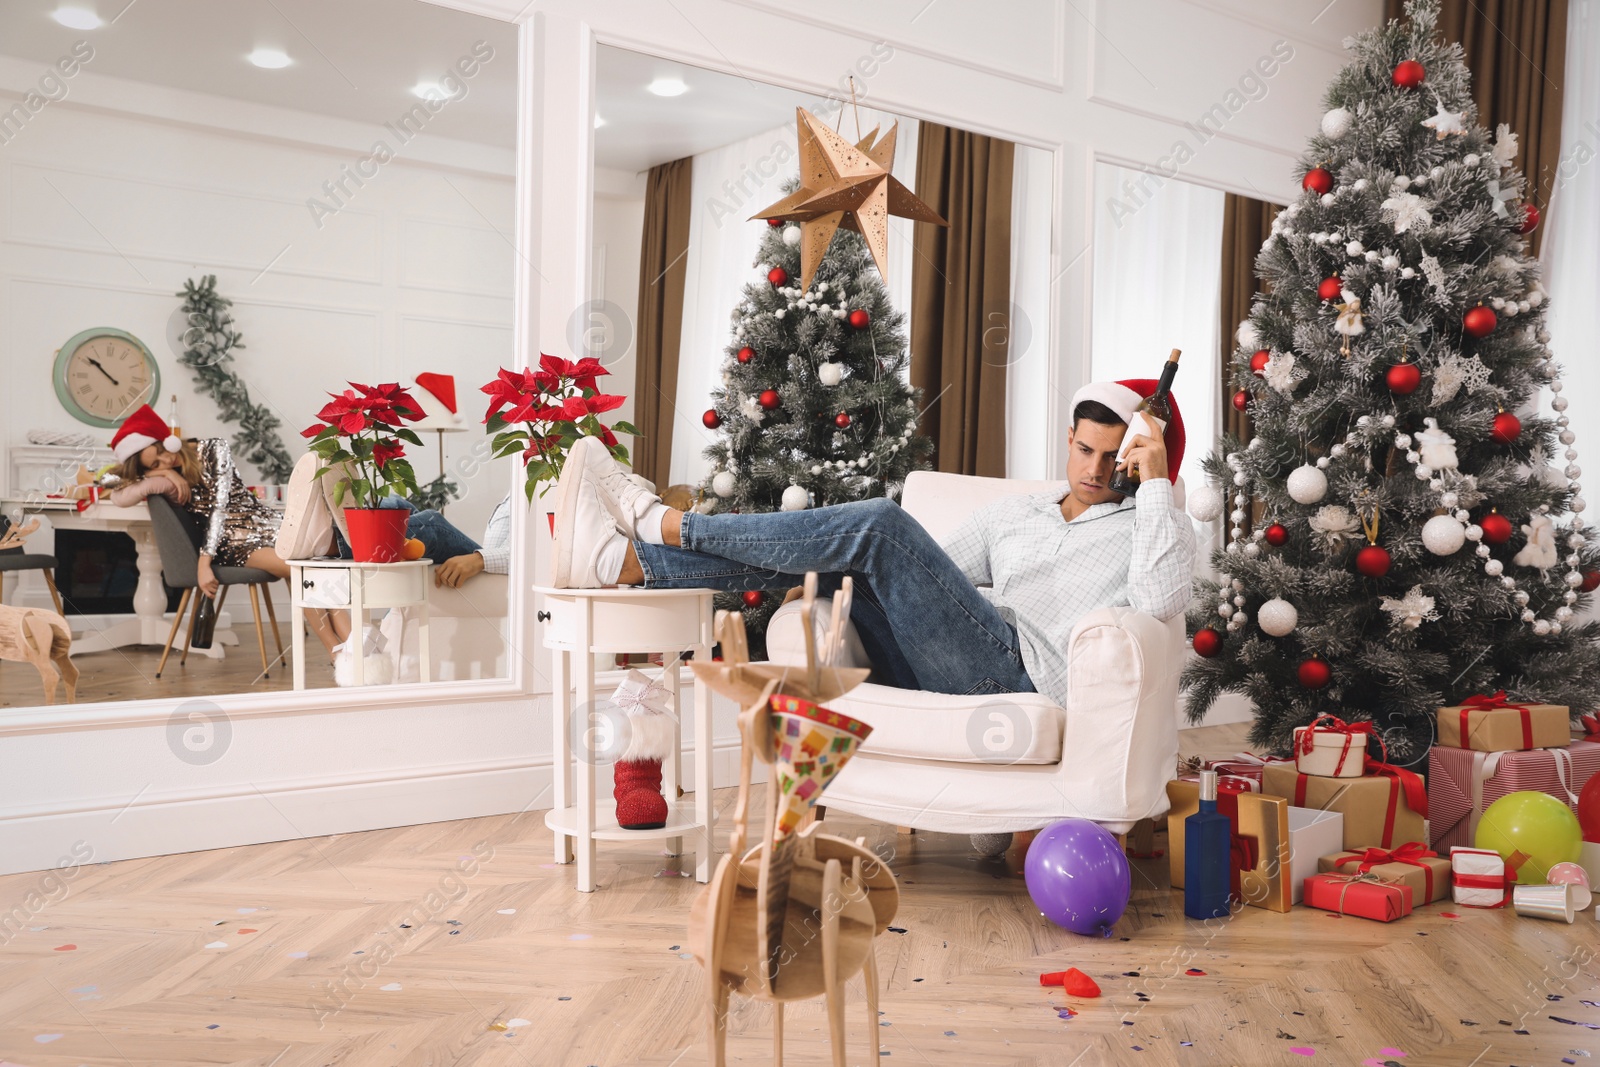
<point x="1462" y="782"/>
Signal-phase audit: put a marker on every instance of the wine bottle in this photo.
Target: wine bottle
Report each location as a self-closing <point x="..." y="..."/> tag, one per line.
<point x="1206" y="838"/>
<point x="1126" y="480"/>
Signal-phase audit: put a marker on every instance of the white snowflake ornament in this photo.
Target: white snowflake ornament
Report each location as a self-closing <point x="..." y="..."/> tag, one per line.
<point x="1444" y="121"/>
<point x="751" y="409"/>
<point x="1453" y="372"/>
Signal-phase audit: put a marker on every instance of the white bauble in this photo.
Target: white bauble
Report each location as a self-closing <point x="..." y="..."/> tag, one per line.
<point x="723" y="483"/>
<point x="830" y="373"/>
<point x="1443" y="535"/>
<point x="1248" y="338"/>
<point x="1277" y="617"/>
<point x="796" y="498"/>
<point x="1336" y="123"/>
<point x="791" y="235"/>
<point x="1205" y="503"/>
<point x="1307" y="484"/>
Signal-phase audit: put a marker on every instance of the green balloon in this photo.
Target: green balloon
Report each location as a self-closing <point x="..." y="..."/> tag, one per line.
<point x="1532" y="831"/>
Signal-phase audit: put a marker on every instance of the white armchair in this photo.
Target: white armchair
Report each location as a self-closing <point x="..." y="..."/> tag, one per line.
<point x="1015" y="761"/>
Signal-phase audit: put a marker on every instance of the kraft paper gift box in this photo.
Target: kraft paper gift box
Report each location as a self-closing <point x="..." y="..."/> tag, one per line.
<point x="1365" y="895"/>
<point x="1478" y="878"/>
<point x="1425" y="871"/>
<point x="1463" y="782"/>
<point x="1494" y="724"/>
<point x="1183" y="798"/>
<point x="1313" y="834"/>
<point x="1268" y="882"/>
<point x="1385" y="807"/>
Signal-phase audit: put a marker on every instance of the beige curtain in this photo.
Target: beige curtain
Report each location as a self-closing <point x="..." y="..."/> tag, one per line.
<point x="961" y="297"/>
<point x="662" y="270"/>
<point x="1516" y="50"/>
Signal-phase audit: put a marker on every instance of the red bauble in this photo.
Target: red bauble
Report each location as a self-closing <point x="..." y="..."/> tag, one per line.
<point x="1277" y="535"/>
<point x="1530" y="219"/>
<point x="1318" y="180"/>
<point x="774" y="223"/>
<point x="1403" y="378"/>
<point x="860" y="319"/>
<point x="1507" y="428"/>
<point x="1496" y="528"/>
<point x="769" y="399"/>
<point x="746" y="354"/>
<point x="1258" y="362"/>
<point x="1591" y="581"/>
<point x="1314" y="674"/>
<point x="1479" y="322"/>
<point x="1330" y="288"/>
<point x="841" y="420"/>
<point x="1241" y="400"/>
<point x="1207" y="642"/>
<point x="1408" y="74"/>
<point x="777" y="276"/>
<point x="711" y="419"/>
<point x="1373" y="561"/>
<point x="753" y="598"/>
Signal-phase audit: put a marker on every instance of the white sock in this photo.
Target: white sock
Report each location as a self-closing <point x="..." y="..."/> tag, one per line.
<point x="609" y="566"/>
<point x="649" y="527"/>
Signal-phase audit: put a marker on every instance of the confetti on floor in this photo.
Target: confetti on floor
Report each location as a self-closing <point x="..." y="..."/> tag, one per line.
<point x="66" y="948"/>
<point x="514" y="1023"/>
<point x="248" y="911"/>
<point x="392" y="987"/>
<point x="1302" y="1050"/>
<point x="1195" y="971"/>
<point x="212" y="1026"/>
<point x="45" y="1039"/>
<point x="298" y="955"/>
<point x="249" y="930"/>
<point x="1448" y="915"/>
<point x="506" y="911"/>
<point x="897" y="929"/>
<point x="563" y="998"/>
<point x="1569" y="1022"/>
<point x="949" y="1033"/>
<point x="579" y="937"/>
<point x="217" y="944"/>
<point x="499" y="1027"/>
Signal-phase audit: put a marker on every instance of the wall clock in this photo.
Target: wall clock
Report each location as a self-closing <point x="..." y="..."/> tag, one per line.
<point x="102" y="375"/>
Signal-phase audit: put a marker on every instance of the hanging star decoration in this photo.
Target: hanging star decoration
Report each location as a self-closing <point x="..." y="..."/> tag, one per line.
<point x="1500" y="196"/>
<point x="1407" y="211"/>
<point x="1412" y="610"/>
<point x="845" y="185"/>
<point x="1453" y="372"/>
<point x="1445" y="122"/>
<point x="1505" y="146"/>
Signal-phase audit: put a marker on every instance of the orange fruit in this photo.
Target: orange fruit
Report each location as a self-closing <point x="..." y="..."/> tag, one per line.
<point x="413" y="549"/>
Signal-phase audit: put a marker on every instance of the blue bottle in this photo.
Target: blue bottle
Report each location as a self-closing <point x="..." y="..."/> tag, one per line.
<point x="1206" y="838"/>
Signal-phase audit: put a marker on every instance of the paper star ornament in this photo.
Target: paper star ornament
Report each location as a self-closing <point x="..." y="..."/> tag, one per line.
<point x="1445" y="122"/>
<point x="845" y="185"/>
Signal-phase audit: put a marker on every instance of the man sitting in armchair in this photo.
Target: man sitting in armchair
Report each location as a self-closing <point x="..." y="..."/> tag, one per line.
<point x="1048" y="558"/>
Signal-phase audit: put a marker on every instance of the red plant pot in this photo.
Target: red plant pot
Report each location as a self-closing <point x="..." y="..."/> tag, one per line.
<point x="376" y="534"/>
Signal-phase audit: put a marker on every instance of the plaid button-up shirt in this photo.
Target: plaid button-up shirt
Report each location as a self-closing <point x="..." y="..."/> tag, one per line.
<point x="1045" y="573"/>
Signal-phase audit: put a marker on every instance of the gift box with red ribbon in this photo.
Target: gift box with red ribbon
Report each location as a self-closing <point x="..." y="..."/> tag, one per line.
<point x="1495" y="724"/>
<point x="1463" y="782"/>
<point x="1240" y="765"/>
<point x="1479" y="878"/>
<point x="1366" y="895"/>
<point x="1331" y="747"/>
<point x="1183" y="798"/>
<point x="1413" y="863"/>
<point x="1385" y="807"/>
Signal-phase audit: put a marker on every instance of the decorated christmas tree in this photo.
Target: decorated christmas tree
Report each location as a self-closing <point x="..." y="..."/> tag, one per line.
<point x="1411" y="544"/>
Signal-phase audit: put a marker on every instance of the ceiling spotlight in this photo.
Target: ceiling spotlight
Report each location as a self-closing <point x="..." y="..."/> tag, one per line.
<point x="667" y="87"/>
<point x="270" y="58"/>
<point x="429" y="91"/>
<point x="77" y="18"/>
<point x="599" y="122"/>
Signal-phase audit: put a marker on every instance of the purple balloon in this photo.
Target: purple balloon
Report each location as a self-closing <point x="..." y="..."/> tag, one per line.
<point x="1078" y="876"/>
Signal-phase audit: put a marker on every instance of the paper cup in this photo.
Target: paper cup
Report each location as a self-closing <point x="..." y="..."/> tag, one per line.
<point x="1568" y="874"/>
<point x="1557" y="903"/>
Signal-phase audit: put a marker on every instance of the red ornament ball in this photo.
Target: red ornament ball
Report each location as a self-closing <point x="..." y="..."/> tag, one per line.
<point x="1403" y="378"/>
<point x="1207" y="642"/>
<point x="1277" y="535"/>
<point x="1591" y="581"/>
<point x="1496" y="528"/>
<point x="746" y="354"/>
<point x="1408" y="74"/>
<point x="1314" y="674"/>
<point x="1479" y="322"/>
<point x="774" y="223"/>
<point x="1330" y="288"/>
<point x="841" y="420"/>
<point x="1258" y="362"/>
<point x="711" y="419"/>
<point x="1507" y="428"/>
<point x="1530" y="219"/>
<point x="860" y="319"/>
<point x="769" y="399"/>
<point x="1318" y="180"/>
<point x="1373" y="561"/>
<point x="1241" y="400"/>
<point x="777" y="276"/>
<point x="753" y="598"/>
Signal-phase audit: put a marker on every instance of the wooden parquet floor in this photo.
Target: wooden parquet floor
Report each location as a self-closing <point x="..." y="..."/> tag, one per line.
<point x="462" y="943"/>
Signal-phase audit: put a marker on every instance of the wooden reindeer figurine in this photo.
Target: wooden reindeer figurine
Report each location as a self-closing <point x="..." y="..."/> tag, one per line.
<point x="796" y="915"/>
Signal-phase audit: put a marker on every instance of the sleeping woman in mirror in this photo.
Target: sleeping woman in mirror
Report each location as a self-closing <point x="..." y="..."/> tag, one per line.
<point x="199" y="476"/>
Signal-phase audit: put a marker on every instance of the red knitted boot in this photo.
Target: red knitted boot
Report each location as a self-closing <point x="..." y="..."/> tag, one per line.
<point x="640" y="805"/>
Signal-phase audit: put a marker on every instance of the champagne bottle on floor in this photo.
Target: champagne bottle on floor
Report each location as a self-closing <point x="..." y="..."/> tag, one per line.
<point x="1126" y="480"/>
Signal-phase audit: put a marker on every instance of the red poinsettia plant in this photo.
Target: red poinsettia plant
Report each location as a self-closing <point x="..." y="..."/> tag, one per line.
<point x="362" y="431"/>
<point x="540" y="413"/>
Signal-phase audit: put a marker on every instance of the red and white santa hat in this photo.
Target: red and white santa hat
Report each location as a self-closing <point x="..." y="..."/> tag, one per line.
<point x="140" y="430"/>
<point x="1123" y="398"/>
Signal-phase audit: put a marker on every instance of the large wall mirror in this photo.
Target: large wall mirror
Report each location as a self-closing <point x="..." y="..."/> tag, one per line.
<point x="338" y="181"/>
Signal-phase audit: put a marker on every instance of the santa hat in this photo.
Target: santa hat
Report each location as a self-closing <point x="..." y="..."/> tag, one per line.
<point x="140" y="430"/>
<point x="436" y="394"/>
<point x="1123" y="398"/>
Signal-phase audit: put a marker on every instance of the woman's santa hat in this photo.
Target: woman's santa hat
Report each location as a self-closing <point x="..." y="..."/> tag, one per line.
<point x="140" y="430"/>
<point x="1124" y="397"/>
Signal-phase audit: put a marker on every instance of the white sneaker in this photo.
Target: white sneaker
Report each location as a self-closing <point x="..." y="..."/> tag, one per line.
<point x="630" y="495"/>
<point x="585" y="525"/>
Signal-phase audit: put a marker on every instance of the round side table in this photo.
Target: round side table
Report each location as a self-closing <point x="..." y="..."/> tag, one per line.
<point x="578" y="624"/>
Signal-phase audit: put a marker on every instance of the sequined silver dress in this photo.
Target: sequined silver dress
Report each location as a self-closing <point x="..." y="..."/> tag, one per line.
<point x="235" y="520"/>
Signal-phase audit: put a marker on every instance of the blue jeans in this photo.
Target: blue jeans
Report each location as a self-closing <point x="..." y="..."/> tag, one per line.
<point x="922" y="623"/>
<point x="440" y="539"/>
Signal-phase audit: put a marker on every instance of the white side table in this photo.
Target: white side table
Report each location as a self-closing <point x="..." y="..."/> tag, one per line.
<point x="580" y="623"/>
<point x="372" y="585"/>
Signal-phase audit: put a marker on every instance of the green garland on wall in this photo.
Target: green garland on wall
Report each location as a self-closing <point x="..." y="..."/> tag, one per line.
<point x="209" y="341"/>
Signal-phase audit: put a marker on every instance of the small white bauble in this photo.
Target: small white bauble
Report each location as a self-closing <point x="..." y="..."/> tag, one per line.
<point x="1528" y="615"/>
<point x="1407" y="272"/>
<point x="1520" y="597"/>
<point x="822" y="287"/>
<point x="1420" y="180"/>
<point x="723" y="484"/>
<point x="791" y="235"/>
<point x="778" y="314"/>
<point x="1541" y="627"/>
<point x="830" y="373"/>
<point x="1436" y="172"/>
<point x="1555" y="627"/>
<point x="817" y="469"/>
<point x="1336" y="123"/>
<point x="1471" y="159"/>
<point x="1327" y="199"/>
<point x="1391" y="263"/>
<point x="1237" y="517"/>
<point x="1402" y="183"/>
<point x="1252" y="550"/>
<point x="1241" y="478"/>
<point x="1373" y="255"/>
<point x="1473" y="532"/>
<point x="1482" y="551"/>
<point x="1277" y="617"/>
<point x="1424" y="472"/>
<point x="796" y="498"/>
<point x="1443" y="535"/>
<point x="1449" y="500"/>
<point x="1248" y="337"/>
<point x="1493" y="568"/>
<point x="1307" y="485"/>
<point x="1360" y="185"/>
<point x="1355" y="248"/>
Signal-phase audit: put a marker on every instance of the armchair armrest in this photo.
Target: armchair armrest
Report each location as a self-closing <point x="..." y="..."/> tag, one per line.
<point x="786" y="636"/>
